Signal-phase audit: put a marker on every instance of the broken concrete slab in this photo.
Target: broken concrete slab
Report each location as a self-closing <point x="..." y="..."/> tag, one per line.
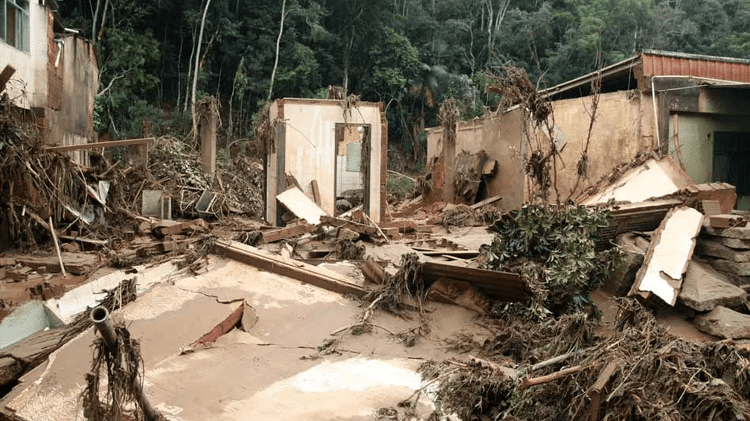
<point x="668" y="255"/>
<point x="301" y="206"/>
<point x="649" y="180"/>
<point x="25" y="321"/>
<point x="635" y="248"/>
<point x="724" y="323"/>
<point x="741" y="269"/>
<point x="716" y="249"/>
<point x="704" y="288"/>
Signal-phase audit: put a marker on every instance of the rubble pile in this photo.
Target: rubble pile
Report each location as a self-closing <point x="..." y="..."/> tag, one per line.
<point x="175" y="168"/>
<point x="564" y="371"/>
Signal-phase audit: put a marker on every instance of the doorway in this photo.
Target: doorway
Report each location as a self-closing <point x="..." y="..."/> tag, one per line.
<point x="731" y="163"/>
<point x="352" y="167"/>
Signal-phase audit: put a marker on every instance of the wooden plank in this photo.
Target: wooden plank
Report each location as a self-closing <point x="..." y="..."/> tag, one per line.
<point x="485" y="202"/>
<point x="403" y="226"/>
<point x="464" y="254"/>
<point x="316" y="192"/>
<point x="356" y="227"/>
<point x="504" y="286"/>
<point x="284" y="266"/>
<point x="97" y="145"/>
<point x="6" y="75"/>
<point x="596" y="390"/>
<point x="83" y="240"/>
<point x="287" y="232"/>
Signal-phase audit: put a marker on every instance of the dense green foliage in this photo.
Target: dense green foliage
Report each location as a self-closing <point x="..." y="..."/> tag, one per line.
<point x="411" y="54"/>
<point x="553" y="250"/>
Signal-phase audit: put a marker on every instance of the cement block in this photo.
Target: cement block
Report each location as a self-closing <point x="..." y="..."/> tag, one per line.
<point x="724" y="323"/>
<point x="151" y="203"/>
<point x="705" y="288"/>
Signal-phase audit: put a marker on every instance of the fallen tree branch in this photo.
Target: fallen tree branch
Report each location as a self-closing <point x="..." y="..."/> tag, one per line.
<point x="527" y="382"/>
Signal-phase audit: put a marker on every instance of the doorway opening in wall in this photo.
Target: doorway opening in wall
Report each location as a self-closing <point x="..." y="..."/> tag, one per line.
<point x="352" y="167"/>
<point x="732" y="163"/>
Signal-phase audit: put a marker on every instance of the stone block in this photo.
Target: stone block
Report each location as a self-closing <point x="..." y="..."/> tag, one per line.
<point x="705" y="288"/>
<point x="724" y="323"/>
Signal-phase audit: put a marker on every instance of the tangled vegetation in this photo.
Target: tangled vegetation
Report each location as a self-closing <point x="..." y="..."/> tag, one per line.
<point x="553" y="250"/>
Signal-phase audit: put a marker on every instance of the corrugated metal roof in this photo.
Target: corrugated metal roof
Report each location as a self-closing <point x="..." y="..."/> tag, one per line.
<point x="662" y="63"/>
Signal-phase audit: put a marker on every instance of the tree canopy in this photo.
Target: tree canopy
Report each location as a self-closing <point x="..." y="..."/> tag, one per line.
<point x="410" y="54"/>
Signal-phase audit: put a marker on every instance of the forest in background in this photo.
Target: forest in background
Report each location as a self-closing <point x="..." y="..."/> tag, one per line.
<point x="410" y="54"/>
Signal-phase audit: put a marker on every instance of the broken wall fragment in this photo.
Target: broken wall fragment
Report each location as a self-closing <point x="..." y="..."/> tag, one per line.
<point x="668" y="255"/>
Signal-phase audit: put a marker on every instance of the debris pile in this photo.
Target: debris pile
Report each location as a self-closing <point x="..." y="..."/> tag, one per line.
<point x="564" y="371"/>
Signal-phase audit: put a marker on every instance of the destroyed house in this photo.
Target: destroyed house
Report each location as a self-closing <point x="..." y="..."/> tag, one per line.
<point x="331" y="150"/>
<point x="689" y="107"/>
<point x="47" y="71"/>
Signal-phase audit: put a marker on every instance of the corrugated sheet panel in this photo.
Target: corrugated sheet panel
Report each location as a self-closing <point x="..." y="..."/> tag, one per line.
<point x="698" y="66"/>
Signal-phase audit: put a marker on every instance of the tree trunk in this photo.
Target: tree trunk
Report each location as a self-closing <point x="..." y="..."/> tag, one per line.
<point x="197" y="69"/>
<point x="104" y="19"/>
<point x="96" y="16"/>
<point x="278" y="43"/>
<point x="189" y="74"/>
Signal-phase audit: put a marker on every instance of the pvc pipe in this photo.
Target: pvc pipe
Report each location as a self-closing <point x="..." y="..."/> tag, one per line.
<point x="103" y="323"/>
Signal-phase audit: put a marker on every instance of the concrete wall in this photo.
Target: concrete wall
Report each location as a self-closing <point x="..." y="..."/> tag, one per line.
<point x="306" y="148"/>
<point x="28" y="85"/>
<point x="72" y="122"/>
<point x="500" y="136"/>
<point x="623" y="127"/>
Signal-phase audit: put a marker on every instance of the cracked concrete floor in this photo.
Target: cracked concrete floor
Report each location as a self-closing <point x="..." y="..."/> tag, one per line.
<point x="271" y="372"/>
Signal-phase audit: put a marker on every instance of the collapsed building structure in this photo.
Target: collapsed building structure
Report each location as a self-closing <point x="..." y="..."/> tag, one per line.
<point x="471" y="300"/>
<point x="686" y="106"/>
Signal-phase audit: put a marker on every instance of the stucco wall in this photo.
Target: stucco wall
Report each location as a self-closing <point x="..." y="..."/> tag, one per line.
<point x="500" y="136"/>
<point x="695" y="134"/>
<point x="622" y="129"/>
<point x="309" y="148"/>
<point x="28" y="85"/>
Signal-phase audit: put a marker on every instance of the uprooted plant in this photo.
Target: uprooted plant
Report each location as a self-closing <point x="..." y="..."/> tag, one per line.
<point x="553" y="251"/>
<point x="398" y="294"/>
<point x="639" y="372"/>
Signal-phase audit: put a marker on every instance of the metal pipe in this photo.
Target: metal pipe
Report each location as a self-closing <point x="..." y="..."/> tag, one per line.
<point x="103" y="323"/>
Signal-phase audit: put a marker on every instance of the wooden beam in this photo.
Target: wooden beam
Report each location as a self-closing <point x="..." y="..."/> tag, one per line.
<point x="284" y="266"/>
<point x="272" y="236"/>
<point x="487" y="201"/>
<point x="97" y="145"/>
<point x="316" y="192"/>
<point x="6" y="75"/>
<point x="503" y="286"/>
